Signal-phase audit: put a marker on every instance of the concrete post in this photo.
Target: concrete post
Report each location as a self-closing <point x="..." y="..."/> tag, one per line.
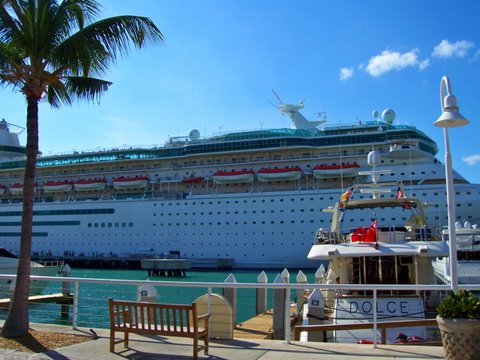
<point x="286" y="276"/>
<point x="301" y="293"/>
<point x="64" y="308"/>
<point x="261" y="294"/>
<point x="316" y="314"/>
<point x="320" y="275"/>
<point x="231" y="295"/>
<point x="279" y="297"/>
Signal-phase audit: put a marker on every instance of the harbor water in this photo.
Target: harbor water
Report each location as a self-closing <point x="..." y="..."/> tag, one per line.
<point x="92" y="299"/>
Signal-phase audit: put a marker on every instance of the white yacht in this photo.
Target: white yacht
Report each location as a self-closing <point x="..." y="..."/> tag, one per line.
<point x="468" y="255"/>
<point x="248" y="198"/>
<point x="9" y="265"/>
<point x="398" y="249"/>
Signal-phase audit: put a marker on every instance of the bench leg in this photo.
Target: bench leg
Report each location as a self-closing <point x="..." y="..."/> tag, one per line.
<point x="112" y="340"/>
<point x="195" y="348"/>
<point x="205" y="339"/>
<point x="125" y="339"/>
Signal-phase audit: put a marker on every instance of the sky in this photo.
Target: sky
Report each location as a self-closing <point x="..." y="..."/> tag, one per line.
<point x="220" y="60"/>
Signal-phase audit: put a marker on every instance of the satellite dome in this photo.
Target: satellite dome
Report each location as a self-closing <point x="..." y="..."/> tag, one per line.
<point x="388" y="116"/>
<point x="194" y="134"/>
<point x="375" y="114"/>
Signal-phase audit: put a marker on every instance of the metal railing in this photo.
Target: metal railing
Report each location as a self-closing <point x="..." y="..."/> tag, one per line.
<point x="93" y="306"/>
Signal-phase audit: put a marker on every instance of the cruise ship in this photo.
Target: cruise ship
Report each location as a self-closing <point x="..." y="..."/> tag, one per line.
<point x="252" y="198"/>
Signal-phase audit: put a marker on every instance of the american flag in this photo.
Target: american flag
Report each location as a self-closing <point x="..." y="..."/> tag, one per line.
<point x="400" y="194"/>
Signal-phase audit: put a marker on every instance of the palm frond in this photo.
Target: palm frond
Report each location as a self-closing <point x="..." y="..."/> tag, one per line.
<point x="86" y="88"/>
<point x="57" y="94"/>
<point x="97" y="45"/>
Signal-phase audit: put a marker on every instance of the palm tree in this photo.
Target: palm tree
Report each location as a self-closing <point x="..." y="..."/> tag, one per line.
<point x="52" y="50"/>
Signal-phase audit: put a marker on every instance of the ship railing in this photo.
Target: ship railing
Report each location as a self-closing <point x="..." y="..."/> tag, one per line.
<point x="87" y="298"/>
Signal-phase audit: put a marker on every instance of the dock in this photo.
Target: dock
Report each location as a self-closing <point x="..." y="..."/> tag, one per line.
<point x="259" y="327"/>
<point x="42" y="299"/>
<point x="163" y="267"/>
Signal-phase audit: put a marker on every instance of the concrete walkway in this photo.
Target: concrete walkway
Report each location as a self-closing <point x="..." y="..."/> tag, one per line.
<point x="150" y="348"/>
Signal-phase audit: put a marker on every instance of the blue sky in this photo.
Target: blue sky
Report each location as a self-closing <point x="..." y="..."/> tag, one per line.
<point x="222" y="58"/>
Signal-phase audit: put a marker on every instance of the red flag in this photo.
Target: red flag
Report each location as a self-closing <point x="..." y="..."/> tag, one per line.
<point x="371" y="235"/>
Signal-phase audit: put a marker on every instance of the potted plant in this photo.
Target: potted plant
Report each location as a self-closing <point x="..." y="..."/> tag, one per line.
<point x="459" y="322"/>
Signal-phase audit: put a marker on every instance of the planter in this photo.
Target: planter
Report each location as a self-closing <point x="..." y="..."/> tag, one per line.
<point x="460" y="338"/>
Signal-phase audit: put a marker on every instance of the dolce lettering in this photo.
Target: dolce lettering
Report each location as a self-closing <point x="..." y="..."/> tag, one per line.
<point x="384" y="307"/>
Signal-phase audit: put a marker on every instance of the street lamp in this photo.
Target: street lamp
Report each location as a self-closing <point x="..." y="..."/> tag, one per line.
<point x="450" y="117"/>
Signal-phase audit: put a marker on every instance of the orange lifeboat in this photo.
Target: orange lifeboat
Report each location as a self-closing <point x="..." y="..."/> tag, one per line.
<point x="233" y="176"/>
<point x="57" y="186"/>
<point x="16" y="188"/>
<point x="136" y="182"/>
<point x="279" y="174"/>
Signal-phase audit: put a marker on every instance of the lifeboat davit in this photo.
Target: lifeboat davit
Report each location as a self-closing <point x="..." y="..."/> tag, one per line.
<point x="193" y="180"/>
<point x="57" y="186"/>
<point x="333" y="171"/>
<point x="137" y="182"/>
<point x="234" y="176"/>
<point x="89" y="185"/>
<point x="280" y="174"/>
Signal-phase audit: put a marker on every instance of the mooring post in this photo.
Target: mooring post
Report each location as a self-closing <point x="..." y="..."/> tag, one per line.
<point x="261" y="294"/>
<point x="301" y="293"/>
<point x="64" y="308"/>
<point x="231" y="295"/>
<point x="320" y="275"/>
<point x="279" y="296"/>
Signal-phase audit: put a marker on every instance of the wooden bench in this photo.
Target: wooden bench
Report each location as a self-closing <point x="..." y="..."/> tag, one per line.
<point x="134" y="317"/>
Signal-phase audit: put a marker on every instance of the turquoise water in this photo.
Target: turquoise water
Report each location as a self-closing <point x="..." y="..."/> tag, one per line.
<point x="92" y="302"/>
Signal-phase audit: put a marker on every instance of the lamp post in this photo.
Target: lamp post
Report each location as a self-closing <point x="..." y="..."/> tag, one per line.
<point x="450" y="117"/>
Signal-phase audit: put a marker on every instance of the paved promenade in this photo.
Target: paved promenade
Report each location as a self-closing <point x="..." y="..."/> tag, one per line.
<point x="156" y="348"/>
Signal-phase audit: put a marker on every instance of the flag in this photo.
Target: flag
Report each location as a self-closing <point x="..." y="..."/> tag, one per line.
<point x="344" y="198"/>
<point x="371" y="235"/>
<point x="400" y="194"/>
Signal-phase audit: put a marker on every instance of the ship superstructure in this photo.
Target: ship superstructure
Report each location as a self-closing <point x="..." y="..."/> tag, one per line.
<point x="254" y="197"/>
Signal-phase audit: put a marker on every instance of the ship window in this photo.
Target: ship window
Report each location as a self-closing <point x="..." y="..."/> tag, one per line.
<point x="124" y="224"/>
<point x="130" y="224"/>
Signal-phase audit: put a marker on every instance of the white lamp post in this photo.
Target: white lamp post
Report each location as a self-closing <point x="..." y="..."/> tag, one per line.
<point x="450" y="117"/>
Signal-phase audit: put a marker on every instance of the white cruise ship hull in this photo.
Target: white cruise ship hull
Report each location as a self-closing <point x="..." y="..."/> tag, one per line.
<point x="255" y="230"/>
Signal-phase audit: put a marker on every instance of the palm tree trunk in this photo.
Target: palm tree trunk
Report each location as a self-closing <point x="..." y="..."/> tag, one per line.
<point x="17" y="322"/>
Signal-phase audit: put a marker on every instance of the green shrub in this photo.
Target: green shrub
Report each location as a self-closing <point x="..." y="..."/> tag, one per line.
<point x="461" y="305"/>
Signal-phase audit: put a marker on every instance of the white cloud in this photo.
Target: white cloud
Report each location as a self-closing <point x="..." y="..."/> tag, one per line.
<point x="457" y="49"/>
<point x="472" y="159"/>
<point x="476" y="57"/>
<point x="391" y="60"/>
<point x="346" y="73"/>
<point x="424" y="64"/>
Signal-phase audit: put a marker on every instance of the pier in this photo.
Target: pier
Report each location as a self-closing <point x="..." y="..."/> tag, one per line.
<point x="166" y="267"/>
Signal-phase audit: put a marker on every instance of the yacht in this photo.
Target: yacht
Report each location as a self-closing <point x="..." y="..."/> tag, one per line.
<point x="390" y="250"/>
<point x="468" y="255"/>
<point x="9" y="265"/>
